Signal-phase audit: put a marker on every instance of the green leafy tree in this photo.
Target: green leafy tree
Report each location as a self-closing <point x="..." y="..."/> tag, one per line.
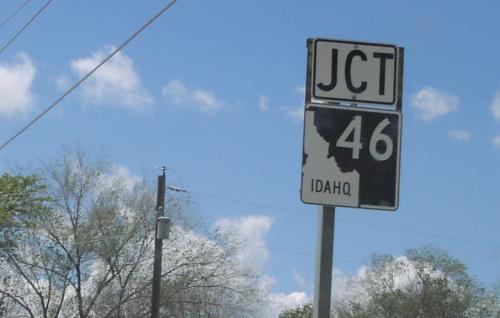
<point x="22" y="205"/>
<point x="22" y="201"/>
<point x="304" y="311"/>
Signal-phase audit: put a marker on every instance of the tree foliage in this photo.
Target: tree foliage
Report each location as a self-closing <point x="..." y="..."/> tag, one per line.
<point x="91" y="254"/>
<point x="303" y="311"/>
<point x="22" y="201"/>
<point x="425" y="282"/>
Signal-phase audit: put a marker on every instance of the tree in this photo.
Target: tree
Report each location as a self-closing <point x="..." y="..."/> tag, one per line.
<point x="22" y="200"/>
<point x="91" y="255"/>
<point x="425" y="282"/>
<point x="304" y="311"/>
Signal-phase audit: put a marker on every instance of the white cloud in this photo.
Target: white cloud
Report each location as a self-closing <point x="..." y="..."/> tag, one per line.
<point x="250" y="231"/>
<point x="177" y="93"/>
<point x="431" y="103"/>
<point x="62" y="83"/>
<point x="296" y="114"/>
<point x="495" y="106"/>
<point x="462" y="135"/>
<point x="496" y="141"/>
<point x="299" y="279"/>
<point x="122" y="174"/>
<point x="300" y="90"/>
<point x="281" y="301"/>
<point x="16" y="79"/>
<point x="253" y="251"/>
<point x="115" y="83"/>
<point x="349" y="287"/>
<point x="264" y="104"/>
<point x="248" y="234"/>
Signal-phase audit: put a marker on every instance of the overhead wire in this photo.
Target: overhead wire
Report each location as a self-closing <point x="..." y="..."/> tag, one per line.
<point x="302" y="253"/>
<point x="256" y="204"/>
<point x="143" y="218"/>
<point x="79" y="82"/>
<point x="6" y="20"/>
<point x="425" y="234"/>
<point x="309" y="254"/>
<point x="345" y="220"/>
<point x="118" y="49"/>
<point x="270" y="248"/>
<point x="135" y="34"/>
<point x="6" y="45"/>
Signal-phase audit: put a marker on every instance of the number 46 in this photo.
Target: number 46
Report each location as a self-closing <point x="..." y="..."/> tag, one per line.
<point x="377" y="136"/>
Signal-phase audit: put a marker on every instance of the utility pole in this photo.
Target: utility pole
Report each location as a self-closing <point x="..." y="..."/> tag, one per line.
<point x="161" y="227"/>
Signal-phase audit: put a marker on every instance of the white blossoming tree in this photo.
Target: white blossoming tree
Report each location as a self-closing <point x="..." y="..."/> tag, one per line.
<point x="425" y="282"/>
<point x="91" y="254"/>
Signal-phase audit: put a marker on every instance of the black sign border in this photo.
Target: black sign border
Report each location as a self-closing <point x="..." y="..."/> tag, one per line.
<point x="398" y="163"/>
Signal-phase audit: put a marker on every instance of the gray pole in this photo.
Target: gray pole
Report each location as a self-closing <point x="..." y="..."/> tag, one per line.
<point x="160" y="208"/>
<point x="324" y="262"/>
<point x="326" y="225"/>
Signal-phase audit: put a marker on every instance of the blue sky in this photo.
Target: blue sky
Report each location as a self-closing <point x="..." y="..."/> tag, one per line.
<point x="214" y="91"/>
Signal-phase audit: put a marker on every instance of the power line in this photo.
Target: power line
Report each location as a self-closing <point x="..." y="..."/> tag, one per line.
<point x="426" y="234"/>
<point x="249" y="203"/>
<point x="309" y="254"/>
<point x="306" y="254"/>
<point x="25" y="26"/>
<point x="385" y="227"/>
<point x="14" y="13"/>
<point x="78" y="83"/>
<point x="367" y="224"/>
<point x="275" y="249"/>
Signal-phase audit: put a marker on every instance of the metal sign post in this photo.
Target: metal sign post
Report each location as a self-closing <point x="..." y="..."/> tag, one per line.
<point x="324" y="262"/>
<point x="326" y="223"/>
<point x="351" y="154"/>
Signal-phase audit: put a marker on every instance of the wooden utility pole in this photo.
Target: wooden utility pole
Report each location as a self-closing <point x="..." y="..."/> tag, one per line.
<point x="160" y="210"/>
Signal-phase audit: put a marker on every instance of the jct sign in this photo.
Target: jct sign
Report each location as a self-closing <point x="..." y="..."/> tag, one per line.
<point x="354" y="71"/>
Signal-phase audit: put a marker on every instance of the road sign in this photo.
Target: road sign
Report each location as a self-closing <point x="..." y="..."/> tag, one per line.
<point x="351" y="157"/>
<point x="354" y="71"/>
